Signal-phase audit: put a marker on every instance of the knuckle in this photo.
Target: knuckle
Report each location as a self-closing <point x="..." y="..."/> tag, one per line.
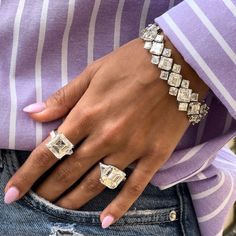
<point x="85" y="115"/>
<point x="135" y="189"/>
<point x="63" y="175"/>
<point x="112" y="135"/>
<point x="59" y="97"/>
<point x="93" y="185"/>
<point x="83" y="152"/>
<point x="160" y="151"/>
<point x="43" y="157"/>
<point x="121" y="207"/>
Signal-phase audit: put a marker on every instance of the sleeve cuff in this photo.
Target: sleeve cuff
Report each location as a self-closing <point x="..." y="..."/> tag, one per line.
<point x="199" y="31"/>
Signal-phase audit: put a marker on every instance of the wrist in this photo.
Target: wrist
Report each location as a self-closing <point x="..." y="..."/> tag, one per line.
<point x="197" y="84"/>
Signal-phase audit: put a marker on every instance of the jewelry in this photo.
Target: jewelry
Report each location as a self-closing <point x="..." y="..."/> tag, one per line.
<point x="111" y="176"/>
<point x="59" y="145"/>
<point x="179" y="87"/>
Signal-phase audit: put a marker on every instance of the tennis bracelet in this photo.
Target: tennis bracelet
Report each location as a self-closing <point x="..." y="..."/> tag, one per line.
<point x="179" y="87"/>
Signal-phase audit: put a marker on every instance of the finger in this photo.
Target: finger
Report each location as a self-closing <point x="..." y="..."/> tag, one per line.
<point x="132" y="189"/>
<point x="72" y="169"/>
<point x="90" y="186"/>
<point x="39" y="161"/>
<point x="60" y="103"/>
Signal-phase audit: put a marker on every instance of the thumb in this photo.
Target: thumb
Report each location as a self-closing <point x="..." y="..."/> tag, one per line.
<point x="62" y="101"/>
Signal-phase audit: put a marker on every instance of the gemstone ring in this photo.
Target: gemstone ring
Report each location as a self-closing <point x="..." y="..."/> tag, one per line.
<point x="59" y="145"/>
<point x="111" y="176"/>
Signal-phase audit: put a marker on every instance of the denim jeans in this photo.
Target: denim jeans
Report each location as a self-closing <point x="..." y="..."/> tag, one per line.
<point x="166" y="212"/>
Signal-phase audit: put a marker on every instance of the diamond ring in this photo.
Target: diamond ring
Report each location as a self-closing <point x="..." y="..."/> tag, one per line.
<point x="59" y="145"/>
<point x="111" y="176"/>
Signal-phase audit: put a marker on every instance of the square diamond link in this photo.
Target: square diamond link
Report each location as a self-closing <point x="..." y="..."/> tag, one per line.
<point x="173" y="91"/>
<point x="176" y="68"/>
<point x="185" y="83"/>
<point x="204" y="109"/>
<point x="194" y="108"/>
<point x="183" y="106"/>
<point x="166" y="52"/>
<point x="165" y="63"/>
<point x="157" y="48"/>
<point x="174" y="79"/>
<point x="159" y="38"/>
<point x="155" y="59"/>
<point x="184" y="95"/>
<point x="149" y="33"/>
<point x="147" y="45"/>
<point x="194" y="119"/>
<point x="164" y="75"/>
<point x="194" y="97"/>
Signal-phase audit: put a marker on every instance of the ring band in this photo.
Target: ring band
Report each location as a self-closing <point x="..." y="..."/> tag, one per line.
<point x="111" y="176"/>
<point x="59" y="145"/>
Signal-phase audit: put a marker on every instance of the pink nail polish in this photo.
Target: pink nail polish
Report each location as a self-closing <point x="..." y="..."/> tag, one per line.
<point x="107" y="221"/>
<point x="11" y="195"/>
<point x="35" y="107"/>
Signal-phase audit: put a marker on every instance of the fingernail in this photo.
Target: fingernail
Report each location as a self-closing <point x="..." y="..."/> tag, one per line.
<point x="11" y="195"/>
<point x="107" y="221"/>
<point x="35" y="107"/>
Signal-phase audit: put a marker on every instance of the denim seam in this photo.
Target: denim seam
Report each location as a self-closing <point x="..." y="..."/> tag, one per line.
<point x="180" y="195"/>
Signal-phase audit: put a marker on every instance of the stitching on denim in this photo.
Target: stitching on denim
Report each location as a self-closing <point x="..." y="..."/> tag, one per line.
<point x="182" y="210"/>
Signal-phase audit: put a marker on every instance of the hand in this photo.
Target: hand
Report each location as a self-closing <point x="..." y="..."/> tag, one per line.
<point x="118" y="111"/>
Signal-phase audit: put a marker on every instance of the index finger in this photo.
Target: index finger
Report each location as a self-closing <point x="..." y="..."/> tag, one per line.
<point x="39" y="161"/>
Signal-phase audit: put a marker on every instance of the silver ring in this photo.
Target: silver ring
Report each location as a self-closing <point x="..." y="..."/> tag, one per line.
<point x="111" y="176"/>
<point x="59" y="145"/>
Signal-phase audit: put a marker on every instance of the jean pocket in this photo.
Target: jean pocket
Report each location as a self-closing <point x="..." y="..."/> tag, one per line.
<point x="132" y="217"/>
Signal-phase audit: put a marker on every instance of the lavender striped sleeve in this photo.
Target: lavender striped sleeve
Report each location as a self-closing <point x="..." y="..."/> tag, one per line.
<point x="205" y="36"/>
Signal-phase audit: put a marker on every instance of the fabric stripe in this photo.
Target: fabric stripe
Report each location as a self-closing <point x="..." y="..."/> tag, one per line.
<point x="191" y="153"/>
<point x="212" y="29"/>
<point x="144" y="14"/>
<point x="211" y="190"/>
<point x="201" y="176"/>
<point x="231" y="6"/>
<point x="92" y="30"/>
<point x="162" y="187"/>
<point x="197" y="57"/>
<point x="221" y="206"/>
<point x="12" y="74"/>
<point x="228" y="122"/>
<point x="38" y="64"/>
<point x="64" y="51"/>
<point x="117" y="24"/>
<point x="171" y="4"/>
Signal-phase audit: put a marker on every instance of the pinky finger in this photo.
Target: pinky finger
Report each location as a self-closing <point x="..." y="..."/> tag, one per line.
<point x="132" y="189"/>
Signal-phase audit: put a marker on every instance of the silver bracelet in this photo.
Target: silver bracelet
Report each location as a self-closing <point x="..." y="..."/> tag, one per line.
<point x="179" y="87"/>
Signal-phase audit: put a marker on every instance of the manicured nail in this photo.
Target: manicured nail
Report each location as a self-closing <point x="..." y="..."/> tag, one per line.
<point x="35" y="107"/>
<point x="11" y="195"/>
<point x="107" y="221"/>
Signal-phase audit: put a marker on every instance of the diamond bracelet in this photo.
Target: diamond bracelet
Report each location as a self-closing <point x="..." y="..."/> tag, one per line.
<point x="179" y="87"/>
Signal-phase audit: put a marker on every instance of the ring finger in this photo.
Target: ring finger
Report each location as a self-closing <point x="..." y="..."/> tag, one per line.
<point x="91" y="186"/>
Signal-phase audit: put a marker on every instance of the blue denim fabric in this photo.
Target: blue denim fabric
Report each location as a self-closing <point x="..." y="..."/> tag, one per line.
<point x="149" y="215"/>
